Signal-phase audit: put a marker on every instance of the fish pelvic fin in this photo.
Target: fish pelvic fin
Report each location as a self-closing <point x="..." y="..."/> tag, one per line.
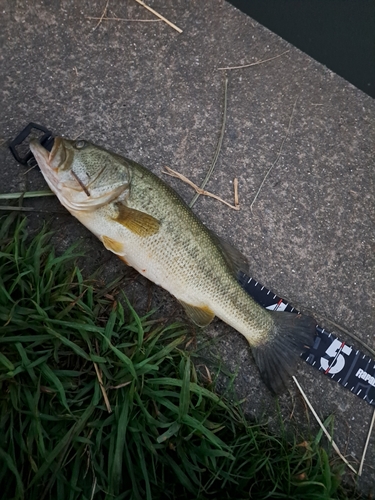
<point x="136" y="221"/>
<point x="201" y="316"/>
<point x="278" y="356"/>
<point x="112" y="245"/>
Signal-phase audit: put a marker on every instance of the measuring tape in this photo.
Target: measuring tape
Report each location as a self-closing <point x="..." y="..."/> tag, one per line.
<point x="338" y="360"/>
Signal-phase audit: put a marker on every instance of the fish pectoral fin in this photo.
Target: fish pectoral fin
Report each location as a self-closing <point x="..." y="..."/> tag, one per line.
<point x="201" y="316"/>
<point x="234" y="258"/>
<point x="136" y="221"/>
<point x="113" y="245"/>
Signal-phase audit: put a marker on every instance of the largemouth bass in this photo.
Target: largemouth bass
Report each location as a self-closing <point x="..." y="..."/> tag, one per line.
<point x="142" y="220"/>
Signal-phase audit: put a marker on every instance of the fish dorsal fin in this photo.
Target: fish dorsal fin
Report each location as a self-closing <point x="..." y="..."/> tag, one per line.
<point x="201" y="316"/>
<point x="234" y="258"/>
<point x="113" y="245"/>
<point x="136" y="221"/>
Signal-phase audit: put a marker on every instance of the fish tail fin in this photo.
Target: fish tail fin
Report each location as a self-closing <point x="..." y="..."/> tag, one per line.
<point x="277" y="357"/>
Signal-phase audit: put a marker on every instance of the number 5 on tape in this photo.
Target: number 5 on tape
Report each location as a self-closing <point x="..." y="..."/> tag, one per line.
<point x="335" y="351"/>
<point x="342" y="363"/>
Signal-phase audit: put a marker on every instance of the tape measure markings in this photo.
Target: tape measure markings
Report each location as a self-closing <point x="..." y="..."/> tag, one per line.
<point x="347" y="366"/>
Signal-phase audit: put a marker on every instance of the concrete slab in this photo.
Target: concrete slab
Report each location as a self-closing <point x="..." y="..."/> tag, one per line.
<point x="156" y="96"/>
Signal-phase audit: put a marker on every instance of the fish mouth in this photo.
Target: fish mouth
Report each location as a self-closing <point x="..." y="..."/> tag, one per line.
<point x="49" y="162"/>
<point x="54" y="158"/>
<point x="39" y="151"/>
<point x="58" y="154"/>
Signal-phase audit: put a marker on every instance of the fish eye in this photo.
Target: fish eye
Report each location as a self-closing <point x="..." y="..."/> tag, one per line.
<point x="80" y="144"/>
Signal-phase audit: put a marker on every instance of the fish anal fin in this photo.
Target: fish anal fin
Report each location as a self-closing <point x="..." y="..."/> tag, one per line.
<point x="136" y="221"/>
<point x="234" y="258"/>
<point x="201" y="316"/>
<point x="113" y="245"/>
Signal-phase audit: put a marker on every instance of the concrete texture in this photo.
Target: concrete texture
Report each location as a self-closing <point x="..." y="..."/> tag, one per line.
<point x="156" y="96"/>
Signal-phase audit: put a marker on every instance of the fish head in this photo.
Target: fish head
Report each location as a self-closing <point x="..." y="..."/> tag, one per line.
<point x="83" y="176"/>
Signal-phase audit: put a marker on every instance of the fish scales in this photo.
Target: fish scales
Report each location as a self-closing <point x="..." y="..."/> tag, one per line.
<point x="145" y="222"/>
<point x="196" y="262"/>
<point x="196" y="271"/>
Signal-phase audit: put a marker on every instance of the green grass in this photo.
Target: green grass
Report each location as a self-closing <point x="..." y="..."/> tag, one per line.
<point x="66" y="344"/>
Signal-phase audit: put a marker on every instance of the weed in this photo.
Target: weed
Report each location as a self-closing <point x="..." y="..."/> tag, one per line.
<point x="99" y="403"/>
